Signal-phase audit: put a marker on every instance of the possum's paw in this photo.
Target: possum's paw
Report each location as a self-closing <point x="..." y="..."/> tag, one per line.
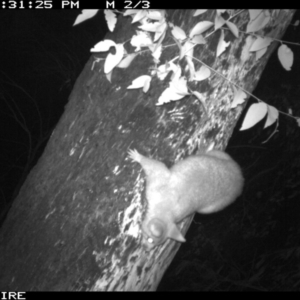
<point x="134" y="155"/>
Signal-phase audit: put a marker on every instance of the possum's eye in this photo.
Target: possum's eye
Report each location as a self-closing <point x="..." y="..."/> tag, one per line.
<point x="150" y="240"/>
<point x="154" y="232"/>
<point x="157" y="228"/>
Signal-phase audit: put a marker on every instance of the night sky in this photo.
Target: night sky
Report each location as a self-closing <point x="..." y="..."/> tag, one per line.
<point x="41" y="57"/>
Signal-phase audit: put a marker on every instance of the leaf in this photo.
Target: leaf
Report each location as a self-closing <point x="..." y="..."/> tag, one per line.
<point x="125" y="63"/>
<point x="258" y="23"/>
<point x="254" y="13"/>
<point x="255" y="113"/>
<point x="200" y="27"/>
<point x="111" y="19"/>
<point x="178" y="33"/>
<point x="187" y="49"/>
<point x="176" y="70"/>
<point x="113" y="59"/>
<point x="163" y="70"/>
<point x="219" y="22"/>
<point x="147" y="84"/>
<point x="141" y="14"/>
<point x="180" y="85"/>
<point x="168" y="95"/>
<point x="199" y="12"/>
<point x="202" y="74"/>
<point x="272" y="116"/>
<point x="239" y="97"/>
<point x="191" y="66"/>
<point x="260" y="43"/>
<point x="85" y="15"/>
<point x="156" y="14"/>
<point x="108" y="75"/>
<point x="198" y="39"/>
<point x="139" y="82"/>
<point x="103" y="46"/>
<point x="160" y="30"/>
<point x="286" y="56"/>
<point x="260" y="46"/>
<point x="129" y="12"/>
<point x="222" y="45"/>
<point x="260" y="53"/>
<point x="141" y="39"/>
<point x="157" y="52"/>
<point x="233" y="28"/>
<point x="201" y="99"/>
<point x="158" y="45"/>
<point x="176" y="91"/>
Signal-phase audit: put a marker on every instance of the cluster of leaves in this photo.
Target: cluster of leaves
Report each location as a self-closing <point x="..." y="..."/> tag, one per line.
<point x="150" y="34"/>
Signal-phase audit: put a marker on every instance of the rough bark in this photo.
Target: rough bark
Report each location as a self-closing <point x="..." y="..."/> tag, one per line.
<point x="75" y="224"/>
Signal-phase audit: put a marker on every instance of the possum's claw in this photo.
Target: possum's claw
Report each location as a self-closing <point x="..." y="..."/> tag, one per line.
<point x="134" y="155"/>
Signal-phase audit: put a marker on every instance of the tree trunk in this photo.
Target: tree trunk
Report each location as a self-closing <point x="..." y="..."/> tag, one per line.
<point x="75" y="224"/>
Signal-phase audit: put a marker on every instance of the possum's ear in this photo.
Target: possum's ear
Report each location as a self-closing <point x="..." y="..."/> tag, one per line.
<point x="175" y="234"/>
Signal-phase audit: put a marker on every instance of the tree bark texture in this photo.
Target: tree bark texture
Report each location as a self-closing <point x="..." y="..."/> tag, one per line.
<point x="75" y="224"/>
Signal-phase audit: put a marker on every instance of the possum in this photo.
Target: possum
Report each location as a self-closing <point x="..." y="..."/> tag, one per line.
<point x="204" y="183"/>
